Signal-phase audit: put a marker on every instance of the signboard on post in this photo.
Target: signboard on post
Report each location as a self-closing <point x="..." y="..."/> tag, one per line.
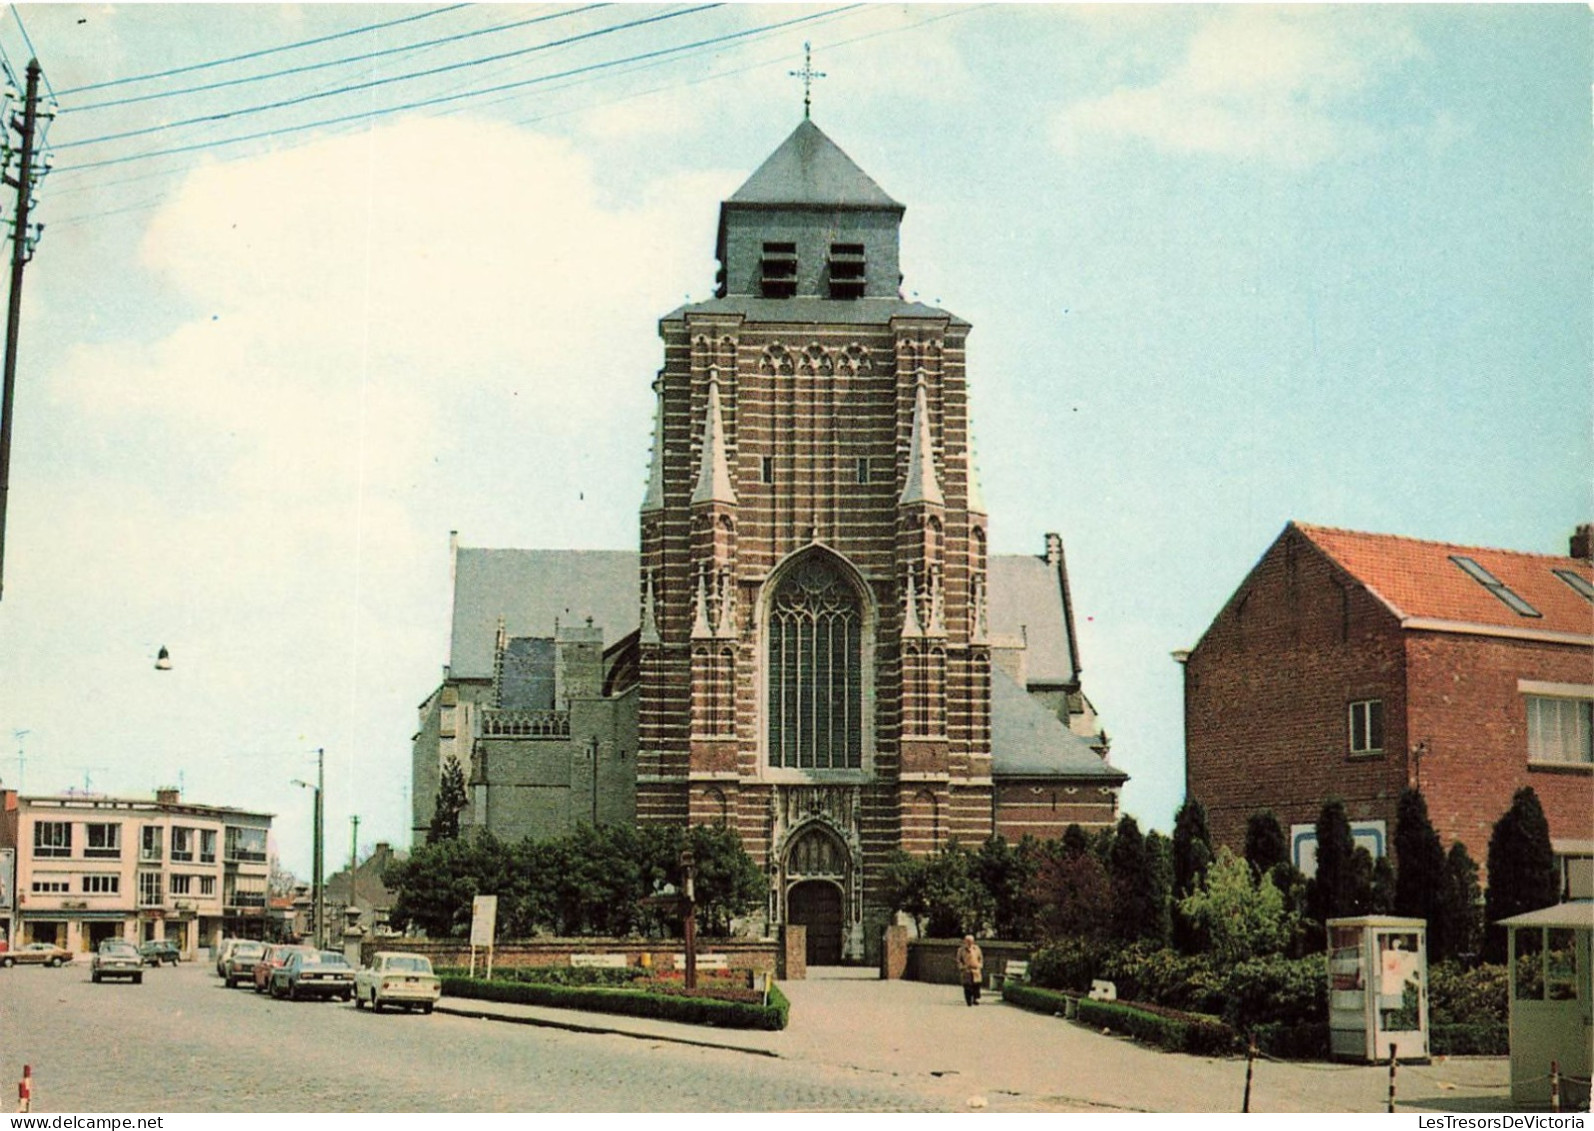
<point x="483" y="925"/>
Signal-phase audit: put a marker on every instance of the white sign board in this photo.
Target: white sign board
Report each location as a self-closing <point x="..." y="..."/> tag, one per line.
<point x="483" y="920"/>
<point x="1303" y="843"/>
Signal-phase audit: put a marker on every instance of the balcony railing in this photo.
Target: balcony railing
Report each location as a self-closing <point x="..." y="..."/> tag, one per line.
<point x="245" y="856"/>
<point x="525" y="724"/>
<point x="246" y="899"/>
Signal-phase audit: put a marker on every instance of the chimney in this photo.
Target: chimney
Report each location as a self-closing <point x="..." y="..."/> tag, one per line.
<point x="1583" y="542"/>
<point x="167" y="795"/>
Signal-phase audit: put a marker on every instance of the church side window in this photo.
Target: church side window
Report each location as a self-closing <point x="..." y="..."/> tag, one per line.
<point x="815" y="670"/>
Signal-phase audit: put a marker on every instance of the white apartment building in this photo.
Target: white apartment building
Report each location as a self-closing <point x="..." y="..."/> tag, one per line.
<point x="90" y="868"/>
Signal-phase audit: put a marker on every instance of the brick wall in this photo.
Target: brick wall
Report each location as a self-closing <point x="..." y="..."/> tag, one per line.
<point x="1267" y="693"/>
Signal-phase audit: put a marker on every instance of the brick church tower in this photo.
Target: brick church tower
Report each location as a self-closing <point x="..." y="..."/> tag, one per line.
<point x="815" y="669"/>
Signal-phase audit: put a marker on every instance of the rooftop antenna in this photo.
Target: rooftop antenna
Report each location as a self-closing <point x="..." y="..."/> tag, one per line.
<point x="22" y="759"/>
<point x="808" y="75"/>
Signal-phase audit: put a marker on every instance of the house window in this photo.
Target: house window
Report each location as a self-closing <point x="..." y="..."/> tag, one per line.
<point x="52" y="838"/>
<point x="51" y="887"/>
<point x="1559" y="730"/>
<point x="149" y="889"/>
<point x="183" y="844"/>
<point x="180" y="884"/>
<point x="1367" y="726"/>
<point x="207" y="846"/>
<point x="150" y="842"/>
<point x="102" y="885"/>
<point x="815" y="669"/>
<point x="103" y="841"/>
<point x="246" y="845"/>
<point x="207" y="885"/>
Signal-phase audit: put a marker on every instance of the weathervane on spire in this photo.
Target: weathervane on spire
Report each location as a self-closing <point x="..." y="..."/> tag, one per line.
<point x="808" y="75"/>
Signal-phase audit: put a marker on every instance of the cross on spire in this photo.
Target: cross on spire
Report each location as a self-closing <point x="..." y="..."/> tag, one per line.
<point x="808" y="75"/>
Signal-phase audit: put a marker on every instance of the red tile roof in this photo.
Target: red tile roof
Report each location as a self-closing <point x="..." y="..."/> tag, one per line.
<point x="1418" y="580"/>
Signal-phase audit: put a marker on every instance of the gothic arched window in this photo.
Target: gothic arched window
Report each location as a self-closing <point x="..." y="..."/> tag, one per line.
<point x="815" y="633"/>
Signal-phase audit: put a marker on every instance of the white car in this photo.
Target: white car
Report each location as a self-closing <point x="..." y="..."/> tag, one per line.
<point x="394" y="978"/>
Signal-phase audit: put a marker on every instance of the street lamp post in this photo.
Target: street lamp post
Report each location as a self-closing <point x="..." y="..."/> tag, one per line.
<point x="316" y="884"/>
<point x="688" y="871"/>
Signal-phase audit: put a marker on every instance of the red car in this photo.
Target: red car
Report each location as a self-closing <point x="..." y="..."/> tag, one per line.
<point x="276" y="954"/>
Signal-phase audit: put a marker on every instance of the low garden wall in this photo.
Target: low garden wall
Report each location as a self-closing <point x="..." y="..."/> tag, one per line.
<point x="757" y="955"/>
<point x="935" y="960"/>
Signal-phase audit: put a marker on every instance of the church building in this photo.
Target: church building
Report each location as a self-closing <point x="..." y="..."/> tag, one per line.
<point x="820" y="651"/>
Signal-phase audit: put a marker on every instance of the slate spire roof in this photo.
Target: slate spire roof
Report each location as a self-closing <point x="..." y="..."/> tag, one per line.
<point x="809" y="168"/>
<point x="921" y="485"/>
<point x="713" y="473"/>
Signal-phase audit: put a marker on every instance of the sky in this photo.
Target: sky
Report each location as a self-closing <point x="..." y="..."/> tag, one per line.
<point x="1226" y="267"/>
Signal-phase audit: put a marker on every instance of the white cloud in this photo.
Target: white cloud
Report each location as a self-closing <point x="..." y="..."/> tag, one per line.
<point x="1275" y="84"/>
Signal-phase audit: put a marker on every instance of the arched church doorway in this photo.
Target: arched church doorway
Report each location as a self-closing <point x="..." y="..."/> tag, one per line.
<point x="816" y="905"/>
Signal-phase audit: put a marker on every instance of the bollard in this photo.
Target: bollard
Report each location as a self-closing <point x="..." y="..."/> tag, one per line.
<point x="1555" y="1085"/>
<point x="25" y="1091"/>
<point x="1250" y="1063"/>
<point x="1391" y="1108"/>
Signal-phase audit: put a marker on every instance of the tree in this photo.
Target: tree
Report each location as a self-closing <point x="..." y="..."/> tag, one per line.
<point x="1007" y="872"/>
<point x="1456" y="930"/>
<point x="1240" y="919"/>
<point x="1332" y="892"/>
<point x="1381" y="889"/>
<point x="1192" y="856"/>
<point x="1265" y="844"/>
<point x="450" y="800"/>
<point x="729" y="883"/>
<point x="1073" y="895"/>
<point x="1135" y="914"/>
<point x="1159" y="852"/>
<point x="940" y="891"/>
<point x="1522" y="871"/>
<point x="1419" y="880"/>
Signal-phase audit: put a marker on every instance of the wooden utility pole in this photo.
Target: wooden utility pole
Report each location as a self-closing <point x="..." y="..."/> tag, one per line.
<point x="21" y="252"/>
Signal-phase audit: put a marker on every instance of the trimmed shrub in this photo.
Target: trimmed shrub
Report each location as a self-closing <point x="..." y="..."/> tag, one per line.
<point x="663" y="1006"/>
<point x="1274" y="989"/>
<point x="1037" y="999"/>
<point x="1304" y="1040"/>
<point x="1068" y="964"/>
<point x="1147" y="973"/>
<point x="1168" y="1029"/>
<point x="1483" y="1038"/>
<point x="557" y="975"/>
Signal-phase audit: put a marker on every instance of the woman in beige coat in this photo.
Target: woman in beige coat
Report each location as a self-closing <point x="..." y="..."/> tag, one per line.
<point x="971" y="969"/>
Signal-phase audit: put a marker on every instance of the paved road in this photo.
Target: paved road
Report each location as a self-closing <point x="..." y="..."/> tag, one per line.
<point x="183" y="1042"/>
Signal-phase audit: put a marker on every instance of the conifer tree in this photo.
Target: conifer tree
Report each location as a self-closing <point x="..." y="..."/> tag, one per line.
<point x="450" y="800"/>
<point x="1134" y="913"/>
<point x="1192" y="856"/>
<point x="1332" y="892"/>
<point x="1522" y="871"/>
<point x="1419" y="859"/>
<point x="1265" y="844"/>
<point x="1456" y="931"/>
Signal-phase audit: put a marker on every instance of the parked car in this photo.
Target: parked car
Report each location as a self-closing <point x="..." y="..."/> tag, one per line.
<point x="397" y="979"/>
<point x="222" y="953"/>
<point x="276" y="954"/>
<point x="313" y="973"/>
<point x="159" y="951"/>
<point x="36" y="954"/>
<point x="117" y="958"/>
<point x="241" y="959"/>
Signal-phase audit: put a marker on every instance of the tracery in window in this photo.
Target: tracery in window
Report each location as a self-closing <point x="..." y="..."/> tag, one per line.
<point x="815" y="632"/>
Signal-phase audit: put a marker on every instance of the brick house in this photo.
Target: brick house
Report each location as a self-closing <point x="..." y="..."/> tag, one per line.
<point x="1350" y="665"/>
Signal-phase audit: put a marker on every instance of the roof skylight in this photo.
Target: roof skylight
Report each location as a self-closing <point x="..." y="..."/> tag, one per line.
<point x="1576" y="581"/>
<point x="1494" y="585"/>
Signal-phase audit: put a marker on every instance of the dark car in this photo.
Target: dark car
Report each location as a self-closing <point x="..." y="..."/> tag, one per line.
<point x="117" y="958"/>
<point x="160" y="951"/>
<point x="276" y="954"/>
<point x="240" y="964"/>
<point x="324" y="973"/>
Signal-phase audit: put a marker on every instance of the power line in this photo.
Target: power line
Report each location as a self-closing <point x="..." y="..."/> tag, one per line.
<point x="423" y="103"/>
<point x="337" y="62"/>
<point x="352" y="88"/>
<point x="264" y="51"/>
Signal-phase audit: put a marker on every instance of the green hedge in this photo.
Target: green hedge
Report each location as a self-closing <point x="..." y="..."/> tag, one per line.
<point x="1302" y="1040"/>
<point x="1165" y="1028"/>
<point x="1484" y="1038"/>
<point x="631" y="1003"/>
<point x="557" y="975"/>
